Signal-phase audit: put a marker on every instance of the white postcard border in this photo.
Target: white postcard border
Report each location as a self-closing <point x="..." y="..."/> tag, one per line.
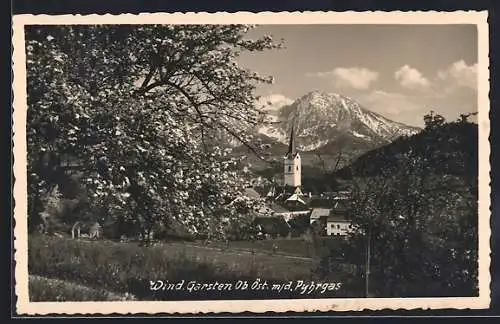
<point x="24" y="306"/>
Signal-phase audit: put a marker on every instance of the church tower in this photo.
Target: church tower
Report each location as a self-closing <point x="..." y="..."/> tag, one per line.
<point x="292" y="164"/>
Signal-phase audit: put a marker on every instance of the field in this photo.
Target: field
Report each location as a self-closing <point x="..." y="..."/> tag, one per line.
<point x="289" y="247"/>
<point x="280" y="247"/>
<point x="49" y="289"/>
<point x="106" y="270"/>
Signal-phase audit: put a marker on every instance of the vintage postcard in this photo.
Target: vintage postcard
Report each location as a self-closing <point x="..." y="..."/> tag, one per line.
<point x="261" y="162"/>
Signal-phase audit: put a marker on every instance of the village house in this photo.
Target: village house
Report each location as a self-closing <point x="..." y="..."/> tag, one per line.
<point x="337" y="226"/>
<point x="337" y="222"/>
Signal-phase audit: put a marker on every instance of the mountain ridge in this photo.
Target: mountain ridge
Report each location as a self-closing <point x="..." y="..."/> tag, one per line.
<point x="319" y="116"/>
<point x="328" y="127"/>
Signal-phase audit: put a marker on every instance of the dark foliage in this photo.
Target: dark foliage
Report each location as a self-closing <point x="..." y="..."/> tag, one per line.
<point x="414" y="203"/>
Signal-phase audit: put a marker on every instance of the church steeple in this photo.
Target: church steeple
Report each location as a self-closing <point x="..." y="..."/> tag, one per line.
<point x="292" y="164"/>
<point x="291" y="146"/>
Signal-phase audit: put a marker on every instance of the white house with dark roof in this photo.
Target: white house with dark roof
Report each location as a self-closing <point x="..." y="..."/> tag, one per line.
<point x="337" y="223"/>
<point x="337" y="226"/>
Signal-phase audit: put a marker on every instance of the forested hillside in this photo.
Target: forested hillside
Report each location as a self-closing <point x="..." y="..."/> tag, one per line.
<point x="414" y="203"/>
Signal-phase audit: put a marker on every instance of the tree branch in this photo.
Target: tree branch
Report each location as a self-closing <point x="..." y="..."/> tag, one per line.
<point x="242" y="141"/>
<point x="146" y="81"/>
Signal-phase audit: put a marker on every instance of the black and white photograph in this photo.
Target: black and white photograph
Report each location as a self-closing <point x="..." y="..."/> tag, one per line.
<point x="251" y="162"/>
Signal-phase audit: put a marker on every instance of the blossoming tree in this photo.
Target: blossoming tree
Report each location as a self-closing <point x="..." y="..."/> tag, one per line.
<point x="145" y="109"/>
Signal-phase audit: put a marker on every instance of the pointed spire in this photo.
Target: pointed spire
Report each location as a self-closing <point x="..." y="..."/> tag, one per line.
<point x="291" y="146"/>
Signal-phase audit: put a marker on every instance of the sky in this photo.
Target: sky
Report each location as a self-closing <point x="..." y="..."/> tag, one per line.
<point x="399" y="71"/>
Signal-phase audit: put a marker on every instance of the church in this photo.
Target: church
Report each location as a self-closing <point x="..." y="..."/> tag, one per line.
<point x="292" y="212"/>
<point x="289" y="193"/>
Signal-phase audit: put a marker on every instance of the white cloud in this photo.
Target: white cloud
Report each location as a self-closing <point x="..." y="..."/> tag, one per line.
<point x="389" y="104"/>
<point x="411" y="78"/>
<point x="410" y="108"/>
<point x="458" y="75"/>
<point x="355" y="77"/>
<point x="273" y="102"/>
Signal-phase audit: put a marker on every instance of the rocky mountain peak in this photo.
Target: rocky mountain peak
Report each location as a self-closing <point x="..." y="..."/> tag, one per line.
<point x="321" y="118"/>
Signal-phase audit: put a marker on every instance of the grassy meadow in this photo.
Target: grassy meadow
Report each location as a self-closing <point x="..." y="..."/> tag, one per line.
<point x="49" y="289"/>
<point x="64" y="269"/>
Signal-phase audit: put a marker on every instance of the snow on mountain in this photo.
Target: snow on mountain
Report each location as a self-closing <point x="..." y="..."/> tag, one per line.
<point x="272" y="106"/>
<point x="320" y="118"/>
<point x="313" y="146"/>
<point x="358" y="134"/>
<point x="274" y="132"/>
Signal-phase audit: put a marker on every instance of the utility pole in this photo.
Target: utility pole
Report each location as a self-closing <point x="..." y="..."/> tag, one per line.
<point x="368" y="260"/>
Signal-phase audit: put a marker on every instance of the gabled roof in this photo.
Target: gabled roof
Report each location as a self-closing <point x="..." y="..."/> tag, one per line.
<point x="298" y="191"/>
<point x="338" y="215"/>
<point x="341" y="204"/>
<point x="282" y="193"/>
<point x="337" y="219"/>
<point x="296" y="198"/>
<point x="320" y="212"/>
